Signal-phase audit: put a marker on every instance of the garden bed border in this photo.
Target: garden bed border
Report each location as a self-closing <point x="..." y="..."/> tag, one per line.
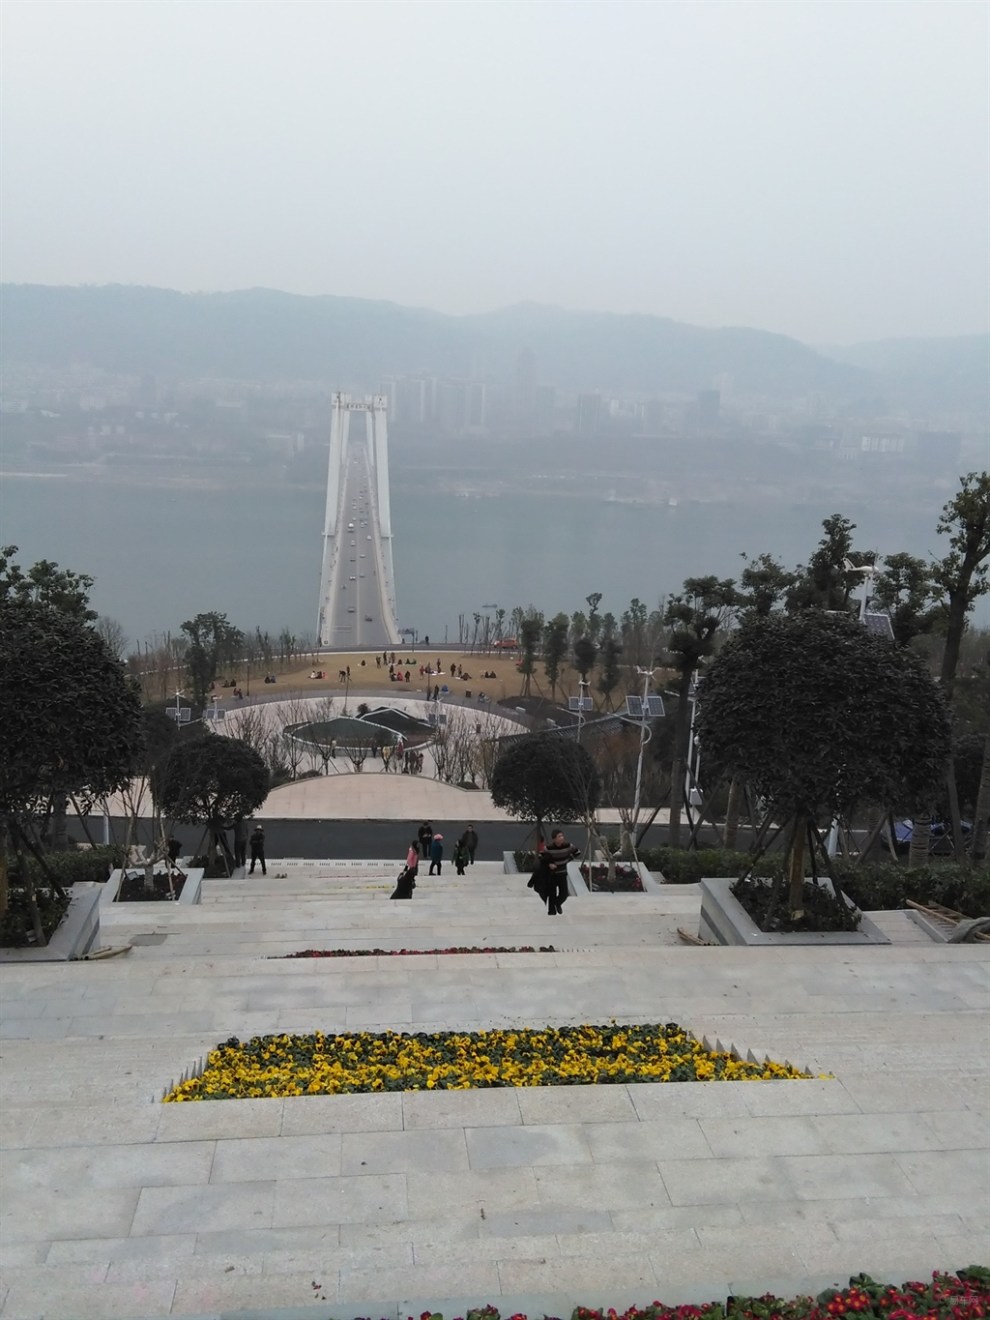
<point x="78" y="932"/>
<point x="725" y="921"/>
<point x="192" y="890"/>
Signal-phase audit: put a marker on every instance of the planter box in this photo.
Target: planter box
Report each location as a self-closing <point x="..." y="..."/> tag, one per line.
<point x="192" y="890"/>
<point x="78" y="932"/>
<point x="650" y="885"/>
<point x="724" y="920"/>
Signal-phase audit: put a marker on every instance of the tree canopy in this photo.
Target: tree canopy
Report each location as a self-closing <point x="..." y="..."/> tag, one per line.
<point x="212" y="779"/>
<point x="70" y="722"/>
<point x="819" y="716"/>
<point x="542" y="776"/>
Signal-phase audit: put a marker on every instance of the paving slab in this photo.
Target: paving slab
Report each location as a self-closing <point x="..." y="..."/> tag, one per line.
<point x="537" y="1197"/>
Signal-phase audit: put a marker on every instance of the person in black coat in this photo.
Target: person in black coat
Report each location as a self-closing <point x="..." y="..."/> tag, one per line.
<point x="553" y="861"/>
<point x="425" y="833"/>
<point x="257" y="842"/>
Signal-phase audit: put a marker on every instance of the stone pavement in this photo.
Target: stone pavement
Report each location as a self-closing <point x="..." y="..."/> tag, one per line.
<point x="116" y="1206"/>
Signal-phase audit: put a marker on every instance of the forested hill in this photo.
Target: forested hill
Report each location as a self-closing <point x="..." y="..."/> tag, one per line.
<point x="263" y="334"/>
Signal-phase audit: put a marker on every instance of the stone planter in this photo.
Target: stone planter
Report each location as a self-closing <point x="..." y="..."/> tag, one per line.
<point x="724" y="920"/>
<point x="192" y="890"/>
<point x="77" y="934"/>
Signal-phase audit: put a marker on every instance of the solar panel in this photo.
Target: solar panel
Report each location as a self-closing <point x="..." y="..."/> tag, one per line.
<point x="880" y="625"/>
<point x="654" y="707"/>
<point x="634" y="707"/>
<point x="580" y="703"/>
<point x="181" y="716"/>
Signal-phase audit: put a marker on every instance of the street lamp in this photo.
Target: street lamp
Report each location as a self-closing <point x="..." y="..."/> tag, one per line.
<point x="580" y="704"/>
<point x="867" y="571"/>
<point x="645" y="707"/>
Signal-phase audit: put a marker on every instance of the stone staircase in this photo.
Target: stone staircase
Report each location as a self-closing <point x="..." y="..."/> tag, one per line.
<point x="331" y="904"/>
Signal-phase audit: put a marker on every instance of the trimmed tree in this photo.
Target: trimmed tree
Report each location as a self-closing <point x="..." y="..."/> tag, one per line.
<point x="543" y="777"/>
<point x="70" y="724"/>
<point x="210" y="780"/>
<point x="820" y="717"/>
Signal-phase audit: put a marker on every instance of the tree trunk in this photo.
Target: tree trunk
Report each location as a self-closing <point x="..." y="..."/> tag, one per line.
<point x="958" y="843"/>
<point x="981" y="820"/>
<point x="676" y="799"/>
<point x="732" y="812"/>
<point x="795" y="895"/>
<point x="921" y="837"/>
<point x="60" y="825"/>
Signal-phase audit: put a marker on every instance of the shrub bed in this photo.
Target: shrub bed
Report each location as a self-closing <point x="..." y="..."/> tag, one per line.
<point x="362" y="1061"/>
<point x="767" y="903"/>
<point x="16" y="928"/>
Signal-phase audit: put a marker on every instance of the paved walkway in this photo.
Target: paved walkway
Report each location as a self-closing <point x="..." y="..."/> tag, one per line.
<point x="114" y="1205"/>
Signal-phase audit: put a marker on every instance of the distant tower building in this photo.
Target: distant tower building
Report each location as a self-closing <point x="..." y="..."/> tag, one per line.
<point x="452" y="404"/>
<point x="525" y="387"/>
<point x="477" y="405"/>
<point x="544" y="409"/>
<point x="589" y="414"/>
<point x="709" y="405"/>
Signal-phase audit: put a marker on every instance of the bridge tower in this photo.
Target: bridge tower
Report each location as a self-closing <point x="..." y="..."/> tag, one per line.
<point x="358" y="463"/>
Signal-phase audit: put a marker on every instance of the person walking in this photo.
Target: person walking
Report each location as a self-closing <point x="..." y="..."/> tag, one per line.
<point x="257" y="842"/>
<point x="407" y="880"/>
<point x="436" y="854"/>
<point x="425" y="833"/>
<point x="460" y="855"/>
<point x="240" y="841"/>
<point x="555" y="859"/>
<point x="470" y="840"/>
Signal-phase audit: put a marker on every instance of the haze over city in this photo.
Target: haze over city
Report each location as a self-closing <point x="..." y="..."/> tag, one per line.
<point x="818" y="170"/>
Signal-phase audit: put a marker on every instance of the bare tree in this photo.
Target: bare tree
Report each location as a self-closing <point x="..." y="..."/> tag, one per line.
<point x="113" y="634"/>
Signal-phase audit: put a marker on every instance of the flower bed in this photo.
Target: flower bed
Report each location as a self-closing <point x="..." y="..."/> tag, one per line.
<point x="625" y="881"/>
<point x="961" y="1296"/>
<point x="409" y="953"/>
<point x="457" y="1060"/>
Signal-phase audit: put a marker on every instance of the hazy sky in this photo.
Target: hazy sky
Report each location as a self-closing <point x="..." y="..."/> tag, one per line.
<point x="816" y="169"/>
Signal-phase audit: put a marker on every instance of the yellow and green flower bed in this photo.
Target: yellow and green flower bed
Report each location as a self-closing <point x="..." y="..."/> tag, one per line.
<point x="457" y="1060"/>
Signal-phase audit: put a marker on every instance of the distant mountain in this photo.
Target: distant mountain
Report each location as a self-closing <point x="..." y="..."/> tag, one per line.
<point x="952" y="372"/>
<point x="263" y="334"/>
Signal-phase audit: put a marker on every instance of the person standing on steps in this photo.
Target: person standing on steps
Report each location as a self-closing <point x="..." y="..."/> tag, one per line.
<point x="470" y="840"/>
<point x="460" y="855"/>
<point x="555" y="859"/>
<point x="425" y="838"/>
<point x="240" y="841"/>
<point x="436" y="854"/>
<point x="257" y="842"/>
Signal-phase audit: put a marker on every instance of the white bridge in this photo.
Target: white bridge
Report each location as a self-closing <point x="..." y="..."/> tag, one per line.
<point x="357" y="585"/>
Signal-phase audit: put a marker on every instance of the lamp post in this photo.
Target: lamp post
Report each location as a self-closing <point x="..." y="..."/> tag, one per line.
<point x="644" y="737"/>
<point x="867" y="571"/>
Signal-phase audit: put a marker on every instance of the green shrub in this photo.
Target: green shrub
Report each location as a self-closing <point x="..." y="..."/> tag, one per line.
<point x="883" y="886"/>
<point x="681" y="866"/>
<point x="70" y="868"/>
<point x="16" y="929"/>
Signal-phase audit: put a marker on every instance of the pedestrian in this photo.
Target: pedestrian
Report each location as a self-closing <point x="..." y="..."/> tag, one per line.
<point x="378" y="662"/>
<point x="257" y="842"/>
<point x="436" y="854"/>
<point x="240" y="841"/>
<point x="425" y="833"/>
<point x="460" y="855"/>
<point x="333" y="749"/>
<point x="555" y="859"/>
<point x="470" y="838"/>
<point x="174" y="848"/>
<point x="386" y="756"/>
<point x="407" y="880"/>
